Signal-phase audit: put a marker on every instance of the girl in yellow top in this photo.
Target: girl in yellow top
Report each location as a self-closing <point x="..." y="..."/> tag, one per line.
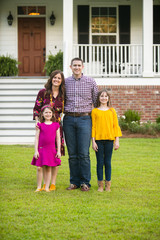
<point x="105" y="134"/>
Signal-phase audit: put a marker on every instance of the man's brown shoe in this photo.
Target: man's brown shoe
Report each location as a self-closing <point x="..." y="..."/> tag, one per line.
<point x="84" y="187"/>
<point x="72" y="187"/>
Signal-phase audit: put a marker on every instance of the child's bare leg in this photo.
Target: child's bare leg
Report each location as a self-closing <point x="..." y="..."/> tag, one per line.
<point x="47" y="175"/>
<point x="39" y="177"/>
<point x="54" y="172"/>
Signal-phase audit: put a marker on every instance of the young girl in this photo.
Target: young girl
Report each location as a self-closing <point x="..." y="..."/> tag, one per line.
<point x="46" y="155"/>
<point x="105" y="134"/>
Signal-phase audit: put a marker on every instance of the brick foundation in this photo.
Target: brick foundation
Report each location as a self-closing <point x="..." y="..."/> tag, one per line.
<point x="144" y="99"/>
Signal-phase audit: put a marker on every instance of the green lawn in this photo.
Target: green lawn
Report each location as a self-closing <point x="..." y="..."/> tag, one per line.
<point x="130" y="211"/>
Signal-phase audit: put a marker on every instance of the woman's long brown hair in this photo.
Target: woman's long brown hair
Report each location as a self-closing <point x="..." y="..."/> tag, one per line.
<point x="48" y="85"/>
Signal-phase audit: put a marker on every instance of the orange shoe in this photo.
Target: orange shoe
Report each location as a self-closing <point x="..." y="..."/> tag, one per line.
<point x="52" y="187"/>
<point x="43" y="188"/>
<point x="38" y="190"/>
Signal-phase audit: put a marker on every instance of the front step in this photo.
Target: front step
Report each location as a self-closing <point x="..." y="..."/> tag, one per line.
<point x="17" y="140"/>
<point x="17" y="99"/>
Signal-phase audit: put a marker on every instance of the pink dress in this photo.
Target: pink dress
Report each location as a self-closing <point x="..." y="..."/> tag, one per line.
<point x="46" y="147"/>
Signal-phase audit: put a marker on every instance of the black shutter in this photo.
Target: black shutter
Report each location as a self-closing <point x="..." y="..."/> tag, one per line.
<point x="83" y="24"/>
<point x="124" y="24"/>
<point x="156" y="24"/>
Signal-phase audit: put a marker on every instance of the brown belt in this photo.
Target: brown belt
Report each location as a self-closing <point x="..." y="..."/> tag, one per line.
<point x="77" y="114"/>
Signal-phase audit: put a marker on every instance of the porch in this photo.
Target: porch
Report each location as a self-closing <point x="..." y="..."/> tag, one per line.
<point x="122" y="60"/>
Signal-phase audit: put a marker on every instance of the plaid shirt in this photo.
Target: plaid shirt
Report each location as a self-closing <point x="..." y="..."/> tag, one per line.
<point x="81" y="94"/>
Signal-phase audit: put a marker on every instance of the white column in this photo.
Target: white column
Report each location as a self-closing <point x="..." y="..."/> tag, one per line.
<point x="67" y="35"/>
<point x="147" y="38"/>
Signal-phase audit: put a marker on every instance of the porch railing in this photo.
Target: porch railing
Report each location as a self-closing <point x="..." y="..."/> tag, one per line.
<point x="110" y="60"/>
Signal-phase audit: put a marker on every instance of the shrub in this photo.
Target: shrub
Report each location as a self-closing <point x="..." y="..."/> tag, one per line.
<point x="8" y="66"/>
<point x="134" y="127"/>
<point x="123" y="125"/>
<point x="131" y="115"/>
<point x="54" y="62"/>
<point x="130" y="122"/>
<point x="158" y="119"/>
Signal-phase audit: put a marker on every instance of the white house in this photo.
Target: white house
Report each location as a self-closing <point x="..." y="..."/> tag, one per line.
<point x="119" y="41"/>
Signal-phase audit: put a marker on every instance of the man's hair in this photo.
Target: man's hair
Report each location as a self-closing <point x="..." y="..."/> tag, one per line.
<point x="76" y="59"/>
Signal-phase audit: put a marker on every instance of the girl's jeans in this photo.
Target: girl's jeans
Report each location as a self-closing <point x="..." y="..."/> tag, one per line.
<point x="104" y="155"/>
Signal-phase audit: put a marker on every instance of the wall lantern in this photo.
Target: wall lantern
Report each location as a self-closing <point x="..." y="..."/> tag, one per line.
<point x="52" y="19"/>
<point x="10" y="19"/>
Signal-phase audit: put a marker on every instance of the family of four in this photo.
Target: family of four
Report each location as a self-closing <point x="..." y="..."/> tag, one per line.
<point x="76" y="97"/>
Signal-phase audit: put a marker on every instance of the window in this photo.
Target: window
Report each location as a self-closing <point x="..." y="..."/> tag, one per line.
<point x="104" y="25"/>
<point x="31" y="10"/>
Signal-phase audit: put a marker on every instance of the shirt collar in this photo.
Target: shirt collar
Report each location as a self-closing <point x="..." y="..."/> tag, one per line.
<point x="77" y="79"/>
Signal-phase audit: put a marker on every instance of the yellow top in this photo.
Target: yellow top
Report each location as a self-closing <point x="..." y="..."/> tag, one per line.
<point x="105" y="124"/>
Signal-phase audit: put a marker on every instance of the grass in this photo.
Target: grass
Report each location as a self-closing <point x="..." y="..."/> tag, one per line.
<point x="130" y="211"/>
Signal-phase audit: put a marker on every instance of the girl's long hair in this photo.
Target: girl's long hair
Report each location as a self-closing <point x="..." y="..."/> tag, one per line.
<point x="109" y="98"/>
<point x="41" y="118"/>
<point x="48" y="85"/>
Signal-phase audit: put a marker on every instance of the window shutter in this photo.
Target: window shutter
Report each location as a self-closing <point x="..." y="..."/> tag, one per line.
<point x="124" y="24"/>
<point x="83" y="24"/>
<point x="156" y="24"/>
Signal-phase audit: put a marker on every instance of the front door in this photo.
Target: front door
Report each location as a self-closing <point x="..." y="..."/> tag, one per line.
<point x="31" y="46"/>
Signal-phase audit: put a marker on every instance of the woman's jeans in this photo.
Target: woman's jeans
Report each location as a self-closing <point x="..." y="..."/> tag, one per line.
<point x="77" y="132"/>
<point x="104" y="155"/>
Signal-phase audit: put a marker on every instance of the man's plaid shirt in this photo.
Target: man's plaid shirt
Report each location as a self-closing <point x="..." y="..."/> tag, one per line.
<point x="81" y="94"/>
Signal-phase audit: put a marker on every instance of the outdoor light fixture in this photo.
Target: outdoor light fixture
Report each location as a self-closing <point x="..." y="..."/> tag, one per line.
<point x="52" y="19"/>
<point x="10" y="19"/>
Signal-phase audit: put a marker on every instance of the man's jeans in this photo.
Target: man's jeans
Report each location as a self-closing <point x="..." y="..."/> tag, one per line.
<point x="78" y="136"/>
<point x="104" y="155"/>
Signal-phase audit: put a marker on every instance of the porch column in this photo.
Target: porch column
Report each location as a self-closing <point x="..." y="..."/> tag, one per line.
<point x="67" y="35"/>
<point x="147" y="38"/>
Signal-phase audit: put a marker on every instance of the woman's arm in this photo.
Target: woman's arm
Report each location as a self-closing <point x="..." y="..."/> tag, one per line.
<point x="38" y="104"/>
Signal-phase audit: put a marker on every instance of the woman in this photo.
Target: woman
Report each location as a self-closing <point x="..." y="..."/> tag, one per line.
<point x="52" y="94"/>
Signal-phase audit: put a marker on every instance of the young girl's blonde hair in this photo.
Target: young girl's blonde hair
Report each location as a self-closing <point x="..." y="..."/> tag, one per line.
<point x="41" y="118"/>
<point x="109" y="98"/>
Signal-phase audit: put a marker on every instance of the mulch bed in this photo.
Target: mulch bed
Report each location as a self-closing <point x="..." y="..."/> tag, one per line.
<point x="126" y="134"/>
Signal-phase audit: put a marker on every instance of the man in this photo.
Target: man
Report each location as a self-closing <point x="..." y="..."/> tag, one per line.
<point x="81" y="95"/>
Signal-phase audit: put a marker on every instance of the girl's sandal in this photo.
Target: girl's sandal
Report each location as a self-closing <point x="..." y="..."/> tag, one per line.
<point x="38" y="190"/>
<point x="47" y="190"/>
<point x="52" y="187"/>
<point x="43" y="188"/>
